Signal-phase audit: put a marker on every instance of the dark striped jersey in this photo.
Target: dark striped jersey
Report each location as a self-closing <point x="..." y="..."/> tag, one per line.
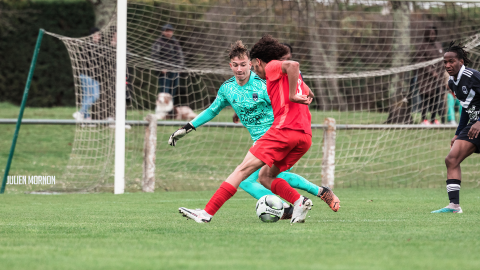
<point x="467" y="89"/>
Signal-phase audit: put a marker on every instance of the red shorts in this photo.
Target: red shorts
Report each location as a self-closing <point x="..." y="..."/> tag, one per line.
<point x="281" y="147"/>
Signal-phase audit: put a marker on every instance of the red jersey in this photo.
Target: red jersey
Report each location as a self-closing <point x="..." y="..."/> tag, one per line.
<point x="287" y="114"/>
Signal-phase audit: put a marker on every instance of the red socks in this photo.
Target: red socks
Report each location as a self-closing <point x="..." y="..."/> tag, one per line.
<point x="223" y="193"/>
<point x="284" y="190"/>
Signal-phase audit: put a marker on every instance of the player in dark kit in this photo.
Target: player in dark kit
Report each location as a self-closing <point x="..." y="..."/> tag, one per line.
<point x="465" y="84"/>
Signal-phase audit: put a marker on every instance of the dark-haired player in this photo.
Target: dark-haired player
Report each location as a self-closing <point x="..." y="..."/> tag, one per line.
<point x="247" y="94"/>
<point x="465" y="84"/>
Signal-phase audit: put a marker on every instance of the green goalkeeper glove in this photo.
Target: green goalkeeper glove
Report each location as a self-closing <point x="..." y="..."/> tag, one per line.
<point x="177" y="135"/>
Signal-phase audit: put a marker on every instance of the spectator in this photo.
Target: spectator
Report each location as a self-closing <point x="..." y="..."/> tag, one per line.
<point x="430" y="90"/>
<point x="168" y="52"/>
<point x="90" y="86"/>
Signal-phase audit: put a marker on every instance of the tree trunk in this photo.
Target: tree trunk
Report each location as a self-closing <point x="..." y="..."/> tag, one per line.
<point x="104" y="10"/>
<point x="330" y="97"/>
<point x="399" y="110"/>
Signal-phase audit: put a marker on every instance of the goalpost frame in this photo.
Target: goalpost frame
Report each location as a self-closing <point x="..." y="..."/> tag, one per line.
<point x="119" y="185"/>
<point x="22" y="108"/>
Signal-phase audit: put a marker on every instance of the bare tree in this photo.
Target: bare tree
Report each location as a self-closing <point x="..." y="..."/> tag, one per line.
<point x="327" y="95"/>
<point x="400" y="111"/>
<point x="104" y="10"/>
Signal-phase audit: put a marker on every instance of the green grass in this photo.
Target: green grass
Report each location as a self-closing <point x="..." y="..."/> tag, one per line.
<point x="394" y="158"/>
<point x="374" y="229"/>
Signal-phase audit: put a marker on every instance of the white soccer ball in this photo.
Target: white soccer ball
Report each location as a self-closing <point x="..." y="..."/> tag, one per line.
<point x="269" y="208"/>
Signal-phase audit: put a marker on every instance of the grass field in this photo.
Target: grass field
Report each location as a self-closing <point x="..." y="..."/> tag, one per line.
<point x="374" y="229"/>
<point x="395" y="158"/>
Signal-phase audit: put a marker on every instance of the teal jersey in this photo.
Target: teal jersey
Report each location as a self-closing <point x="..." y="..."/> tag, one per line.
<point x="250" y="102"/>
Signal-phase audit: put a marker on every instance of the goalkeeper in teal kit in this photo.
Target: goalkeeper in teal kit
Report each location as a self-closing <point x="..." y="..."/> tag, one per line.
<point x="247" y="94"/>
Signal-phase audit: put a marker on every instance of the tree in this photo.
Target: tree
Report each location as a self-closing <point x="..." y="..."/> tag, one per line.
<point x="330" y="97"/>
<point x="104" y="10"/>
<point x="10" y="12"/>
<point x="400" y="111"/>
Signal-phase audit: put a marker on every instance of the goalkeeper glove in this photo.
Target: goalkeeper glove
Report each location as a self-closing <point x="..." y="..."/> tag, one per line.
<point x="177" y="135"/>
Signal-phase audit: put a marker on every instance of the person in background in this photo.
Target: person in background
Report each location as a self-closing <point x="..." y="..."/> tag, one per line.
<point x="168" y="52"/>
<point x="89" y="84"/>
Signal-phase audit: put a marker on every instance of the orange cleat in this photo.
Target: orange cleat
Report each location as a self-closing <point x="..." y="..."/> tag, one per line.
<point x="330" y="198"/>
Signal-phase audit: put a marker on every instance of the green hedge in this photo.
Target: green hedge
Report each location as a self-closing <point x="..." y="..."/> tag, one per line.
<point x="52" y="83"/>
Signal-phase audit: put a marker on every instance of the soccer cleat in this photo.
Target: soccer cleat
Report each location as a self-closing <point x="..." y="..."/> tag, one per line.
<point x="448" y="210"/>
<point x="78" y="116"/>
<point x="330" y="198"/>
<point x="425" y="123"/>
<point x="287" y="213"/>
<point x="196" y="215"/>
<point x="435" y="122"/>
<point x="300" y="210"/>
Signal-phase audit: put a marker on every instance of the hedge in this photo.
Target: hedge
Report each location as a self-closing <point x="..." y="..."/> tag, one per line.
<point x="52" y="83"/>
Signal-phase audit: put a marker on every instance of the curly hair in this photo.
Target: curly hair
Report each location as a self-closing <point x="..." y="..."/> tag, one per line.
<point x="459" y="50"/>
<point x="268" y="49"/>
<point x="238" y="50"/>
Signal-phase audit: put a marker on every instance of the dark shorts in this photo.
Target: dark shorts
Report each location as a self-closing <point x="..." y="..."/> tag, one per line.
<point x="464" y="137"/>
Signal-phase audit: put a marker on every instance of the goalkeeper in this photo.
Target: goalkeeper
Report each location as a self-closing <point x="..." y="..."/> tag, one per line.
<point x="247" y="94"/>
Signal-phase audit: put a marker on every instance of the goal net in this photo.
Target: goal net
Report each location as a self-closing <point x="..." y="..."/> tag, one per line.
<point x="374" y="66"/>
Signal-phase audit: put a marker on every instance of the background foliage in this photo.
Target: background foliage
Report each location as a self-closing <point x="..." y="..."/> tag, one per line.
<point x="52" y="84"/>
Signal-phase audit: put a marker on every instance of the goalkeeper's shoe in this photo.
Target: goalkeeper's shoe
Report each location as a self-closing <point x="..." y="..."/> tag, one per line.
<point x="180" y="133"/>
<point x="330" y="198"/>
<point x="457" y="210"/>
<point x="196" y="215"/>
<point x="300" y="209"/>
<point x="287" y="213"/>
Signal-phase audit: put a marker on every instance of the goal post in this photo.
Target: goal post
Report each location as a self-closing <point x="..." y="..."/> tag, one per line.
<point x="22" y="108"/>
<point x="120" y="96"/>
<point x="348" y="55"/>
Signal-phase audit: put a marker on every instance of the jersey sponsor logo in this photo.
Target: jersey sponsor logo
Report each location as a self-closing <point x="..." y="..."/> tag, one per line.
<point x="255" y="96"/>
<point x="255" y="119"/>
<point x="464" y="90"/>
<point x="473" y="114"/>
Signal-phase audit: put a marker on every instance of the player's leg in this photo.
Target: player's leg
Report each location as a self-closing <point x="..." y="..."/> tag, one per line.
<point x="460" y="150"/>
<point x="296" y="181"/>
<point x="226" y="190"/>
<point x="324" y="193"/>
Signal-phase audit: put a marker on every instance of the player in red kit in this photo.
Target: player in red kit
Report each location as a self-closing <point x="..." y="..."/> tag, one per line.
<point x="288" y="139"/>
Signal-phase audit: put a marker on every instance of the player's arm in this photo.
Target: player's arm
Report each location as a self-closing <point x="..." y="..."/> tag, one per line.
<point x="235" y="118"/>
<point x="292" y="69"/>
<point x="204" y="117"/>
<point x="310" y="92"/>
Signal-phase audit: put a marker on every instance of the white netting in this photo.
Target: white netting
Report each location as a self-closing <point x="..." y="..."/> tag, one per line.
<point x="368" y="62"/>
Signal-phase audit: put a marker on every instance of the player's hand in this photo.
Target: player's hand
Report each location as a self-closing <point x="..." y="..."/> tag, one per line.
<point x="235" y="118"/>
<point x="180" y="133"/>
<point x="474" y="131"/>
<point x="453" y="140"/>
<point x="301" y="99"/>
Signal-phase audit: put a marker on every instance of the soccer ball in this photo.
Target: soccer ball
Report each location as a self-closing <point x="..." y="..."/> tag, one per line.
<point x="269" y="208"/>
